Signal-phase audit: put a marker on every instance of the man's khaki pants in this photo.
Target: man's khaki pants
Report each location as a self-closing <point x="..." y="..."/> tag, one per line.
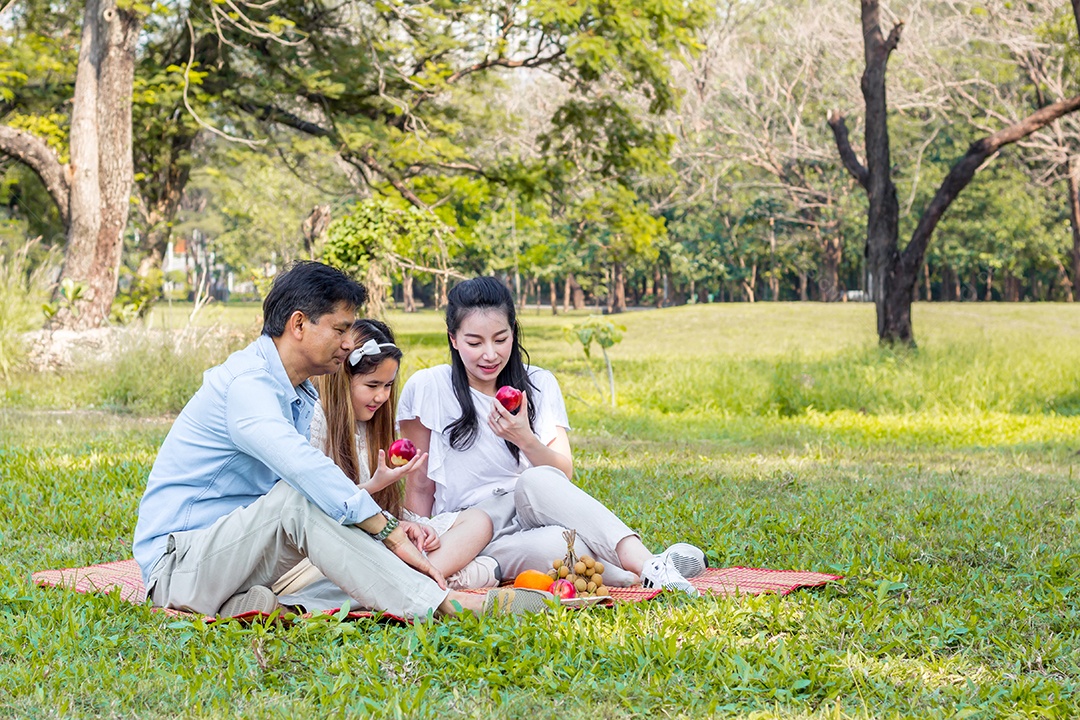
<point x="257" y="544"/>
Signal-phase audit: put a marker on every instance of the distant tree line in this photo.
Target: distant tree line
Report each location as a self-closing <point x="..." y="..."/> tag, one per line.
<point x="599" y="153"/>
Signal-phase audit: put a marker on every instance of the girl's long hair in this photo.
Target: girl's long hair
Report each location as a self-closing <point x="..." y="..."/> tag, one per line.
<point x="335" y="392"/>
<point x="484" y="293"/>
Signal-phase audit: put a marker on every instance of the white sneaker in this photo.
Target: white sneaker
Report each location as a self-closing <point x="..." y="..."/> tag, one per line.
<point x="482" y="572"/>
<point x="258" y="599"/>
<point x="688" y="559"/>
<point x="660" y="572"/>
<point x="517" y="601"/>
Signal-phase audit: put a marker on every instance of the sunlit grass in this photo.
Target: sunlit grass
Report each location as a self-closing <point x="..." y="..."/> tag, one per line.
<point x="942" y="484"/>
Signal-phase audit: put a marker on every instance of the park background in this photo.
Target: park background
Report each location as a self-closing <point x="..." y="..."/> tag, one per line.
<point x="668" y="173"/>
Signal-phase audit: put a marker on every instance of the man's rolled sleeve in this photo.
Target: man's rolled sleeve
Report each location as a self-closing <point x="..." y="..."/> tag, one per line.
<point x="258" y="427"/>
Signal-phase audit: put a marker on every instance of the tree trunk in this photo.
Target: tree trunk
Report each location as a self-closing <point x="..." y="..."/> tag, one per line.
<point x="618" y="281"/>
<point x="1074" y="217"/>
<point x="926" y="280"/>
<point x="803" y="297"/>
<point x="408" y="297"/>
<point x="577" y="295"/>
<point x="313" y="227"/>
<point x="831" y="253"/>
<point x="609" y="273"/>
<point x="554" y="298"/>
<point x="747" y="284"/>
<point x="989" y="285"/>
<point x="774" y="279"/>
<point x="1012" y="287"/>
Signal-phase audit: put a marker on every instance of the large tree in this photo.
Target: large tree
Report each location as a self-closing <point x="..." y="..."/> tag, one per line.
<point x="895" y="271"/>
<point x="92" y="189"/>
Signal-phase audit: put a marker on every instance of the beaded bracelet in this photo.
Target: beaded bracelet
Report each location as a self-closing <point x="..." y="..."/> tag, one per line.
<point x="391" y="524"/>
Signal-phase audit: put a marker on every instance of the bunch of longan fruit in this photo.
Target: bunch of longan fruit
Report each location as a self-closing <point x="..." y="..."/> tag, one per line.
<point x="584" y="573"/>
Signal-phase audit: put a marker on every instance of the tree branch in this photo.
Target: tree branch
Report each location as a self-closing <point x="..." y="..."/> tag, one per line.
<point x="529" y="62"/>
<point x="965" y="168"/>
<point x="847" y="154"/>
<point x="36" y="154"/>
<point x="367" y="160"/>
<point x="269" y="113"/>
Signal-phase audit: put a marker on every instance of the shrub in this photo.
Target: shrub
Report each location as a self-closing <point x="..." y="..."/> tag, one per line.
<point x="153" y="371"/>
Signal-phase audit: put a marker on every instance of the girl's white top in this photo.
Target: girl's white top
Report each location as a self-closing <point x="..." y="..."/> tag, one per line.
<point x="465" y="477"/>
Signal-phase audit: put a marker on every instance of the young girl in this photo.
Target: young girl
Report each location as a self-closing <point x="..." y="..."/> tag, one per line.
<point x="354" y="425"/>
<point x="514" y="466"/>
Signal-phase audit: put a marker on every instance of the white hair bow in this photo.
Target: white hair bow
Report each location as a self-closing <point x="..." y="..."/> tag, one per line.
<point x="368" y="348"/>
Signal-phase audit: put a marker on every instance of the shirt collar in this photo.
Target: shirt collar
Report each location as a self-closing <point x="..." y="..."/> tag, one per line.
<point x="267" y="348"/>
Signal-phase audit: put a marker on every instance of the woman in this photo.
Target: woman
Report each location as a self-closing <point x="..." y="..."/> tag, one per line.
<point x="354" y="425"/>
<point x="514" y="466"/>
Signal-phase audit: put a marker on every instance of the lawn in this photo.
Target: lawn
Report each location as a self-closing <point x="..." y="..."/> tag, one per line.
<point x="941" y="483"/>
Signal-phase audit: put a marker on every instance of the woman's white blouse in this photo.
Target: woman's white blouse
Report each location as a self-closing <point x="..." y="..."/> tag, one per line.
<point x="465" y="477"/>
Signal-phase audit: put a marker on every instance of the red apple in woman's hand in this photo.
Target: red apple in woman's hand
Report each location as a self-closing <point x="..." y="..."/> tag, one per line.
<point x="510" y="397"/>
<point x="401" y="452"/>
<point x="563" y="589"/>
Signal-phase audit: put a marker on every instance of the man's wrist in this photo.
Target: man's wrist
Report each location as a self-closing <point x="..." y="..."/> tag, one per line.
<point x="390" y="525"/>
<point x="381" y="523"/>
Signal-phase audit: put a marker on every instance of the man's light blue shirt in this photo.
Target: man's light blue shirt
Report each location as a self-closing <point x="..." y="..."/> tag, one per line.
<point x="244" y="430"/>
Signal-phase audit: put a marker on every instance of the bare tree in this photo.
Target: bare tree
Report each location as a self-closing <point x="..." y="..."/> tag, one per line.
<point x="750" y="103"/>
<point x="895" y="271"/>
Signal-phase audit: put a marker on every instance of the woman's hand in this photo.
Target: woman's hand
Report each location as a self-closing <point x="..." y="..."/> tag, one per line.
<point x="423" y="536"/>
<point x="385" y="476"/>
<point x="513" y="427"/>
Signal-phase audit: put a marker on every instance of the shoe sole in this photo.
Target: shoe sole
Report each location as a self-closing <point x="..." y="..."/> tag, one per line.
<point x="688" y="588"/>
<point x="258" y="599"/>
<point x="516" y="601"/>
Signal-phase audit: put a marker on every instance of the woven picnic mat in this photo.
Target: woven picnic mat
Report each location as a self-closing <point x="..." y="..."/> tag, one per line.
<point x="125" y="576"/>
<point x="732" y="581"/>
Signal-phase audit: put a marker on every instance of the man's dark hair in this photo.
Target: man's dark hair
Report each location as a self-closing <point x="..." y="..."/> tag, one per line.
<point x="312" y="288"/>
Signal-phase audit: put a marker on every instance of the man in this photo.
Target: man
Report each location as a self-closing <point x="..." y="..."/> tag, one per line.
<point x="237" y="495"/>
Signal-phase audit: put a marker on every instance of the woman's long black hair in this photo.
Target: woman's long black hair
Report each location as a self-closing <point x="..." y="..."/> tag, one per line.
<point x="484" y="293"/>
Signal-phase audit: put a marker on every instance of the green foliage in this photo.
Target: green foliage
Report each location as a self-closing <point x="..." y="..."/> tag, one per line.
<point x="379" y="231"/>
<point x="605" y="334"/>
<point x="136" y="295"/>
<point x="67" y="298"/>
<point x="378" y="238"/>
<point x="955" y="529"/>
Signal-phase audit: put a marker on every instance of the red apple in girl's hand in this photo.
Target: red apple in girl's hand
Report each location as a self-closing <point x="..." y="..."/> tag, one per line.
<point x="510" y="397"/>
<point x="401" y="452"/>
<point x="563" y="589"/>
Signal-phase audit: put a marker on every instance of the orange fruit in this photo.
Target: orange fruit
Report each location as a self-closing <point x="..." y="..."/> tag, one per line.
<point x="533" y="579"/>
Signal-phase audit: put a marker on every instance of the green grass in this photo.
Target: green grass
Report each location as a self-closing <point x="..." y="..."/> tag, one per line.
<point x="942" y="484"/>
